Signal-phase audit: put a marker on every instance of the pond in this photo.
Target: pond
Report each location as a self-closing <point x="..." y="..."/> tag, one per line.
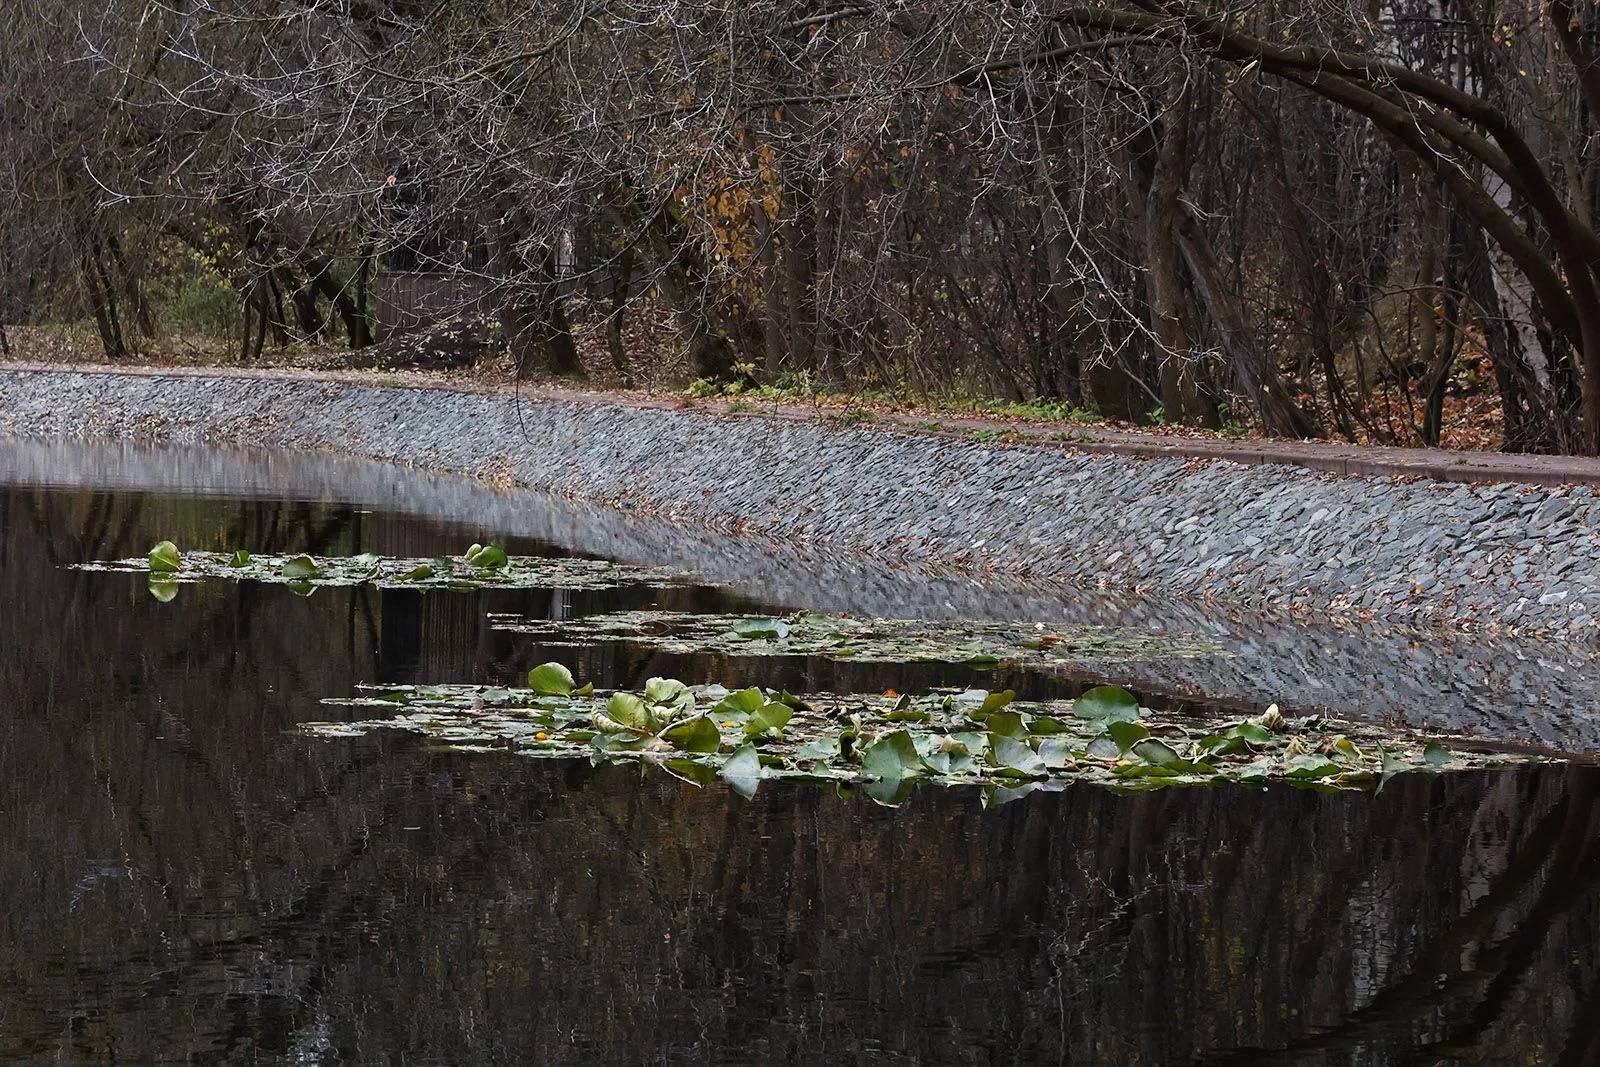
<point x="191" y="877"/>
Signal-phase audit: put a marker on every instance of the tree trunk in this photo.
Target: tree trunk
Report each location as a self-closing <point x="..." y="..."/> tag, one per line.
<point x="773" y="312"/>
<point x="102" y="300"/>
<point x="1161" y="163"/>
<point x="797" y="224"/>
<point x="349" y="305"/>
<point x="621" y="288"/>
<point x="132" y="289"/>
<point x="1424" y="292"/>
<point x="1254" y="374"/>
<point x="536" y="327"/>
<point x="1530" y="423"/>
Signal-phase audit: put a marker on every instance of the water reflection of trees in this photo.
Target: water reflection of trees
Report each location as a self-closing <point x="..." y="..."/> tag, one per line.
<point x="184" y="878"/>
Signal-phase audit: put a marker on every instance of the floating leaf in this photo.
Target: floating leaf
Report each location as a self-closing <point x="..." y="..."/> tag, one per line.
<point x="820" y="748"/>
<point x="741" y="705"/>
<point x="890" y="792"/>
<point x="698" y="734"/>
<point x="996" y="795"/>
<point x="1392" y="764"/>
<point x="615" y="743"/>
<point x="949" y="756"/>
<point x="760" y="629"/>
<point x="1173" y="768"/>
<point x="1007" y="723"/>
<point x="1126" y="733"/>
<point x="993" y="702"/>
<point x="870" y="739"/>
<point x="1104" y="748"/>
<point x="519" y="572"/>
<point x="873" y="640"/>
<point x="551" y="679"/>
<point x="1013" y="757"/>
<point x="891" y="757"/>
<point x="668" y="693"/>
<point x="1251" y="732"/>
<point x="300" y="568"/>
<point x="487" y="557"/>
<point x="1107" y="703"/>
<point x="626" y="712"/>
<point x="692" y="771"/>
<point x="1056" y="753"/>
<point x="1344" y="748"/>
<point x="769" y="718"/>
<point x="1153" y="750"/>
<point x="742" y="771"/>
<point x="1242" y="737"/>
<point x="164" y="558"/>
<point x="1311" y="765"/>
<point x="1271" y="719"/>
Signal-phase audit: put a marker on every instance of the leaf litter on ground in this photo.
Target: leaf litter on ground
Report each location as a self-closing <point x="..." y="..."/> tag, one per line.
<point x="887" y="745"/>
<point x="841" y="637"/>
<point x="480" y="567"/>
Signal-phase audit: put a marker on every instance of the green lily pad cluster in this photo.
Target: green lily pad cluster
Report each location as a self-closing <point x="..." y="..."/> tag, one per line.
<point x="480" y="567"/>
<point x="887" y="745"/>
<point x="982" y="645"/>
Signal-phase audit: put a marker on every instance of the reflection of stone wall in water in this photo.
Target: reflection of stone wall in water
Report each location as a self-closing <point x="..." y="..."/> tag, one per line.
<point x="183" y="876"/>
<point x="1535" y="691"/>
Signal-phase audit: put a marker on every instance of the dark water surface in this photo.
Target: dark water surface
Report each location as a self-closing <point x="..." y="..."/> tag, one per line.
<point x="187" y="879"/>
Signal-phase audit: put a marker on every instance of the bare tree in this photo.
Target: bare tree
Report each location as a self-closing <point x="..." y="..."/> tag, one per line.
<point x="1308" y="213"/>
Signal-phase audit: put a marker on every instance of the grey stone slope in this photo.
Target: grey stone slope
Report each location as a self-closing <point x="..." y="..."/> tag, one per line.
<point x="1476" y="556"/>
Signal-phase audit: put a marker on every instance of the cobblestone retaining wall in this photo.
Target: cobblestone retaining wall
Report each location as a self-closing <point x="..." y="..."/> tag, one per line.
<point x="1511" y="557"/>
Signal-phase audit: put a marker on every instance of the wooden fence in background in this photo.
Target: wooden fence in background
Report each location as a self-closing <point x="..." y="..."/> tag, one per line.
<point x="404" y="302"/>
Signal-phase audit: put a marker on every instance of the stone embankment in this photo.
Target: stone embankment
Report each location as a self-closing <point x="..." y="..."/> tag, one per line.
<point x="1506" y="557"/>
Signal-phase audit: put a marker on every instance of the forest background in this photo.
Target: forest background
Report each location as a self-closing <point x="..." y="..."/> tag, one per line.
<point x="1313" y="218"/>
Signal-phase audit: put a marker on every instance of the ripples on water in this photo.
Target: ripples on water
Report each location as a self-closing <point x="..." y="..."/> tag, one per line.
<point x="186" y="878"/>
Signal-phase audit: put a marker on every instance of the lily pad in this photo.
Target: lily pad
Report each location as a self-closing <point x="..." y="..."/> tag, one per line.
<point x="892" y="757"/>
<point x="164" y="559"/>
<point x="1107" y="703"/>
<point x="742" y="771"/>
<point x="770" y="718"/>
<point x="551" y="679"/>
<point x="1016" y="758"/>
<point x="755" y="734"/>
<point x="982" y="645"/>
<point x="698" y="734"/>
<point x="487" y="557"/>
<point x="298" y="568"/>
<point x="483" y="567"/>
<point x="759" y="629"/>
<point x="626" y="713"/>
